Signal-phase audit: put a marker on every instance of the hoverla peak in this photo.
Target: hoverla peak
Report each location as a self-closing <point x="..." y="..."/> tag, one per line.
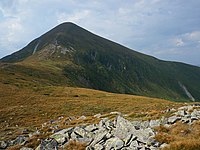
<point x="90" y="61"/>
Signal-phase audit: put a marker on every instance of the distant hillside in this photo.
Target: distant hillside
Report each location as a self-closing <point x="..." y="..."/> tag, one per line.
<point x="71" y="55"/>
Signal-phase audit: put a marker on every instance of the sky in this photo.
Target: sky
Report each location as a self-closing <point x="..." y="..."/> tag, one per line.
<point x="166" y="29"/>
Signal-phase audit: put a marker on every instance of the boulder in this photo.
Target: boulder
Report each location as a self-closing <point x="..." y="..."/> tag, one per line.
<point x="19" y="140"/>
<point x="144" y="124"/>
<point x="62" y="136"/>
<point x="82" y="118"/>
<point x="99" y="136"/>
<point x="134" y="145"/>
<point x="98" y="147"/>
<point x="91" y="128"/>
<point x="181" y="113"/>
<point x="114" y="143"/>
<point x="173" y="119"/>
<point x="154" y="123"/>
<point x="136" y="124"/>
<point x="3" y="145"/>
<point x="129" y="139"/>
<point x="123" y="127"/>
<point x="143" y="135"/>
<point x="48" y="144"/>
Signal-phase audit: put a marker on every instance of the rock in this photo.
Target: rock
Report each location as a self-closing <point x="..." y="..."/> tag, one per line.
<point x="82" y="118"/>
<point x="180" y="113"/>
<point x="163" y="121"/>
<point x="62" y="136"/>
<point x="26" y="148"/>
<point x="144" y="135"/>
<point x="97" y="115"/>
<point x="99" y="136"/>
<point x="123" y="127"/>
<point x="115" y="113"/>
<point x="19" y="140"/>
<point x="144" y="124"/>
<point x="134" y="145"/>
<point x="136" y="124"/>
<point x="102" y="123"/>
<point x="154" y="123"/>
<point x="195" y="113"/>
<point x="98" y="147"/>
<point x="48" y="144"/>
<point x="129" y="139"/>
<point x="80" y="131"/>
<point x="91" y="128"/>
<point x="3" y="145"/>
<point x="114" y="143"/>
<point x="173" y="119"/>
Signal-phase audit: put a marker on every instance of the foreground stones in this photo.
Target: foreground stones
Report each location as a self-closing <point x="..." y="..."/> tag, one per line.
<point x="114" y="134"/>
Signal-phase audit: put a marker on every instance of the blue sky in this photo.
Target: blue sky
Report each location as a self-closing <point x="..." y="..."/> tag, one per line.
<point x="166" y="29"/>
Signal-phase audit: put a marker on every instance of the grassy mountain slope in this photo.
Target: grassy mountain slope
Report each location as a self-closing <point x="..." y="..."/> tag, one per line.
<point x="73" y="56"/>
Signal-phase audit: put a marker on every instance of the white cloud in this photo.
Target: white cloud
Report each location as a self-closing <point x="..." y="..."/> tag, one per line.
<point x="144" y="25"/>
<point x="178" y="42"/>
<point x="75" y="17"/>
<point x="195" y="35"/>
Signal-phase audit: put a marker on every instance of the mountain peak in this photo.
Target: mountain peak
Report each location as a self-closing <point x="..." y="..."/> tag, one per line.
<point x="88" y="60"/>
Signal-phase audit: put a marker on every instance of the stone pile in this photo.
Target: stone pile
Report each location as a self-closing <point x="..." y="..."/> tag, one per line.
<point x="121" y="133"/>
<point x="117" y="134"/>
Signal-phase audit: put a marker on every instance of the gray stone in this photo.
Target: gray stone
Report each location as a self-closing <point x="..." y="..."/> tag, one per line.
<point x="195" y="113"/>
<point x="3" y="145"/>
<point x="154" y="123"/>
<point x="97" y="115"/>
<point x="91" y="128"/>
<point x="102" y="123"/>
<point x="115" y="113"/>
<point x="98" y="147"/>
<point x="163" y="121"/>
<point x="144" y="135"/>
<point x="80" y="131"/>
<point x="114" y="143"/>
<point x="82" y="118"/>
<point x="19" y="140"/>
<point x="136" y="124"/>
<point x="99" y="136"/>
<point x="48" y="144"/>
<point x="181" y="113"/>
<point x="133" y="145"/>
<point x="173" y="119"/>
<point x="123" y="128"/>
<point x="61" y="136"/>
<point x="129" y="139"/>
<point x="144" y="124"/>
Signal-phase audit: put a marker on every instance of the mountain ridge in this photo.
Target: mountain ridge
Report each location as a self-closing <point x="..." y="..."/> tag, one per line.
<point x="90" y="61"/>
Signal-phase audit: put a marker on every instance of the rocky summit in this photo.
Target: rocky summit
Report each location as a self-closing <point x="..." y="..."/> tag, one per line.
<point x="113" y="134"/>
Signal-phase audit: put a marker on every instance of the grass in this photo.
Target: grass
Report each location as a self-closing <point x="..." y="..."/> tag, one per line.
<point x="74" y="145"/>
<point x="25" y="107"/>
<point x="180" y="136"/>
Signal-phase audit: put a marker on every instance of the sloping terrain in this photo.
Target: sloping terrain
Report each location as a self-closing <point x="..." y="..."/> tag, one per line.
<point x="71" y="55"/>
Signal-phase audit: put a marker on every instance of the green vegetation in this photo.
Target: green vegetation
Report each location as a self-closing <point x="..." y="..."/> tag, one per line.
<point x="70" y="55"/>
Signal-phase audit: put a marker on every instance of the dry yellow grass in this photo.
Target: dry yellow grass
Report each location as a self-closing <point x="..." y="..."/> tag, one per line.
<point x="74" y="145"/>
<point x="180" y="136"/>
<point x="25" y="107"/>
